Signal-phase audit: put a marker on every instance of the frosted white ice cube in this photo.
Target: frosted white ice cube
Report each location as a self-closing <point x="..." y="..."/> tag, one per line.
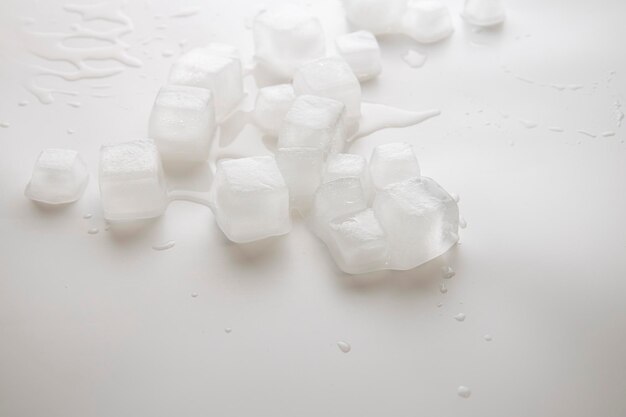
<point x="302" y="170"/>
<point x="59" y="176"/>
<point x="314" y="122"/>
<point x="361" y="51"/>
<point x="377" y="16"/>
<point x="427" y="21"/>
<point x="215" y="67"/>
<point x="250" y="199"/>
<point x="358" y="243"/>
<point x="347" y="165"/>
<point x="182" y="123"/>
<point x="132" y="184"/>
<point x="393" y="162"/>
<point x="420" y="220"/>
<point x="272" y="104"/>
<point x="334" y="199"/>
<point x="286" y="37"/>
<point x="333" y="78"/>
<point x="484" y="12"/>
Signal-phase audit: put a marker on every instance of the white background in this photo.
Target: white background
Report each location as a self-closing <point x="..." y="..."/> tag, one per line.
<point x="103" y="325"/>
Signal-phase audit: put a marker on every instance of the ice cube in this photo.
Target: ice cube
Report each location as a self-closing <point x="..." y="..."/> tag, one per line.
<point x="250" y="199"/>
<point x="286" y="37"/>
<point x="393" y="162"/>
<point x="484" y="12"/>
<point x="182" y="123"/>
<point x="420" y="220"/>
<point x="427" y="21"/>
<point x="59" y="176"/>
<point x="358" y="243"/>
<point x="361" y="51"/>
<point x="272" y="104"/>
<point x="302" y="170"/>
<point x="334" y="199"/>
<point x="314" y="122"/>
<point x="132" y="184"/>
<point x="377" y="16"/>
<point x="216" y="67"/>
<point x="347" y="165"/>
<point x="331" y="78"/>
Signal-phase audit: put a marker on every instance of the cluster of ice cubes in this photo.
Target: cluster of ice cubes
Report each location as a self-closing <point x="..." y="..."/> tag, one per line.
<point x="385" y="216"/>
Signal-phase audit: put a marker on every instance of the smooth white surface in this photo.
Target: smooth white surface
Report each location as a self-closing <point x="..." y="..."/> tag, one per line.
<point x="103" y="325"/>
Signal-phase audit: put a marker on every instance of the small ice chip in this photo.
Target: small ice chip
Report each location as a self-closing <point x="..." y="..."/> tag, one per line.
<point x="59" y="176"/>
<point x="272" y="104"/>
<point x="393" y="162"/>
<point x="216" y="67"/>
<point x="427" y="21"/>
<point x="286" y="37"/>
<point x="484" y="12"/>
<point x="250" y="199"/>
<point x="132" y="183"/>
<point x="361" y="52"/>
<point x="182" y="123"/>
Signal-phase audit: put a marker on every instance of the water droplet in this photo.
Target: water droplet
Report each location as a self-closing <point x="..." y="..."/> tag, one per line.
<point x="70" y="131"/>
<point x="228" y="330"/>
<point x="166" y="53"/>
<point x="87" y="216"/>
<point x="344" y="346"/>
<point x="164" y="246"/>
<point x="5" y="124"/>
<point x="414" y="58"/>
<point x="75" y="104"/>
<point x="440" y="305"/>
<point x="504" y="115"/>
<point x="556" y="129"/>
<point x="584" y="132"/>
<point x="194" y="294"/>
<point x="23" y="103"/>
<point x="460" y="317"/>
<point x="186" y="12"/>
<point x="447" y="272"/>
<point x="463" y="391"/>
<point x="488" y="338"/>
<point x="443" y="288"/>
<point x="529" y="124"/>
<point x="93" y="231"/>
<point x="607" y="134"/>
<point x="462" y="223"/>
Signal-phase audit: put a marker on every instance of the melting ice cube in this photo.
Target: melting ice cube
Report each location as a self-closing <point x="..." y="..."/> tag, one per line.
<point x="272" y="104"/>
<point x="393" y="162"/>
<point x="361" y="51"/>
<point x="427" y="21"/>
<point x="377" y="16"/>
<point x="59" y="176"/>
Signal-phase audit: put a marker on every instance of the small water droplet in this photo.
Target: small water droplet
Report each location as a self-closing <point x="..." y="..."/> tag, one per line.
<point x="462" y="223"/>
<point x="443" y="288"/>
<point x="463" y="391"/>
<point x="440" y="305"/>
<point x="75" y="104"/>
<point x="529" y="124"/>
<point x="164" y="246"/>
<point x="607" y="134"/>
<point x="228" y="330"/>
<point x="414" y="58"/>
<point x="460" y="317"/>
<point x="447" y="272"/>
<point x="5" y="124"/>
<point x="504" y="115"/>
<point x="556" y="129"/>
<point x="344" y="346"/>
<point x="70" y="131"/>
<point x="488" y="338"/>
<point x="194" y="294"/>
<point x="93" y="231"/>
<point x="166" y="53"/>
<point x="586" y="133"/>
<point x="23" y="103"/>
<point x="87" y="216"/>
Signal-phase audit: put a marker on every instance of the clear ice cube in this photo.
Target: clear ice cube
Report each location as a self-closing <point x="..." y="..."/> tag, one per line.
<point x="286" y="37"/>
<point x="393" y="162"/>
<point x="347" y="165"/>
<point x="132" y="184"/>
<point x="427" y="21"/>
<point x="314" y="122"/>
<point x="332" y="78"/>
<point x="302" y="170"/>
<point x="250" y="199"/>
<point x="272" y="104"/>
<point x="59" y="176"/>
<point x="362" y="53"/>
<point x="182" y="123"/>
<point x="358" y="243"/>
<point x="216" y="67"/>
<point x="484" y="12"/>
<point x="420" y="220"/>
<point x="334" y="199"/>
<point x="377" y="16"/>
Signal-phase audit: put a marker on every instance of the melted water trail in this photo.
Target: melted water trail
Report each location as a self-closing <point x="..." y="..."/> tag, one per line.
<point x="164" y="246"/>
<point x="586" y="133"/>
<point x="186" y="12"/>
<point x="375" y="117"/>
<point x="53" y="47"/>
